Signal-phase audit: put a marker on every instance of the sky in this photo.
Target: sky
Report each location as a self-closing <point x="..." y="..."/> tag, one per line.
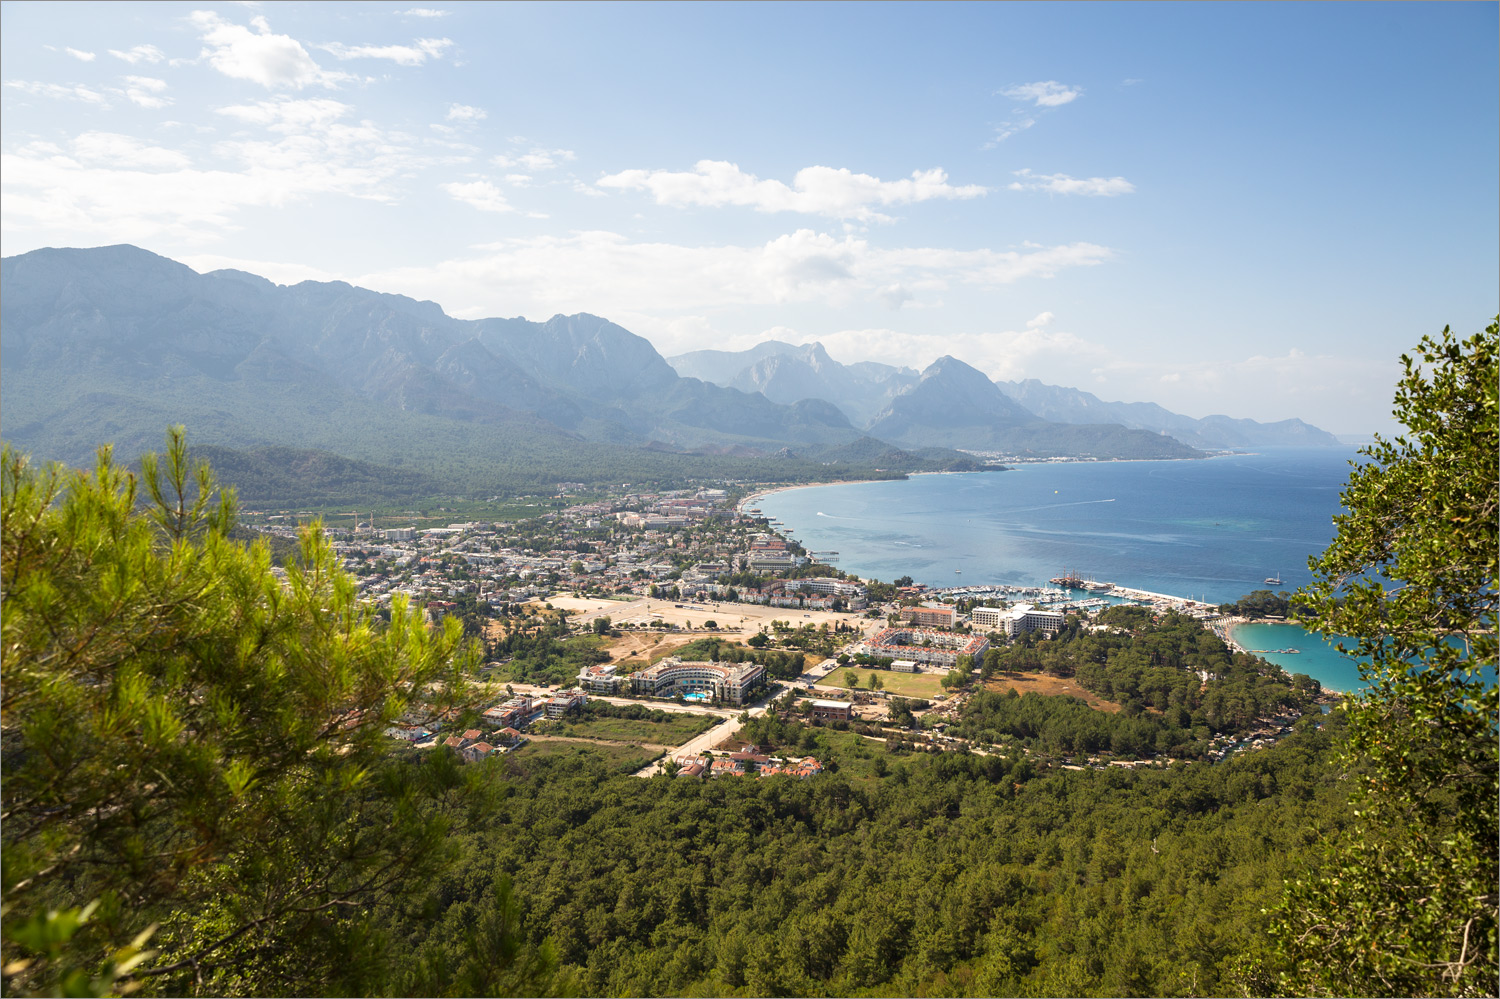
<point x="1247" y="209"/>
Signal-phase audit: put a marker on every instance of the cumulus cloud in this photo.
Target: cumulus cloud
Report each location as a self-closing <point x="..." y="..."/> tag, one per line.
<point x="612" y="274"/>
<point x="425" y="12"/>
<point x="60" y="92"/>
<point x="260" y="56"/>
<point x="289" y="116"/>
<point x="479" y="194"/>
<point x="536" y="160"/>
<point x="1061" y="183"/>
<point x="277" y="271"/>
<point x="146" y="91"/>
<point x="1044" y="94"/>
<point x="110" y="148"/>
<point x="81" y="56"/>
<point x="402" y="55"/>
<point x="1042" y="319"/>
<point x="1004" y="355"/>
<point x="464" y="112"/>
<point x="815" y="190"/>
<point x="140" y="54"/>
<point x="107" y="187"/>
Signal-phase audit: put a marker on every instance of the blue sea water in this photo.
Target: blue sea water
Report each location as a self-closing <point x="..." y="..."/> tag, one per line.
<point x="1212" y="529"/>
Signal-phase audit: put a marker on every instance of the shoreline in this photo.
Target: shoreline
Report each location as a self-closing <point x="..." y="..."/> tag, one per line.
<point x="1236" y="622"/>
<point x="756" y="497"/>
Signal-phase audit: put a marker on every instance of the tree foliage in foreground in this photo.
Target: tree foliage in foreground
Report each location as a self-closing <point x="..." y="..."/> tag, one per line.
<point x="941" y="874"/>
<point x="194" y="752"/>
<point x="1406" y="904"/>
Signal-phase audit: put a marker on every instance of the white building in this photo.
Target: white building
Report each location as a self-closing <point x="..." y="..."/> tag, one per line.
<point x="1015" y="620"/>
<point x="727" y="681"/>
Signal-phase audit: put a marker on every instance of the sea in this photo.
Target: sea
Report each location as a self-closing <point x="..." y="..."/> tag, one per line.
<point x="1210" y="529"/>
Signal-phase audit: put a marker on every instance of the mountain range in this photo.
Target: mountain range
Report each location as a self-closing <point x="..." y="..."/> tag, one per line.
<point x="116" y="343"/>
<point x="879" y="397"/>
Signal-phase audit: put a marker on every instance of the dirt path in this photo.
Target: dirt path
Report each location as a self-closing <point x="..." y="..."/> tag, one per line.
<point x="641" y="646"/>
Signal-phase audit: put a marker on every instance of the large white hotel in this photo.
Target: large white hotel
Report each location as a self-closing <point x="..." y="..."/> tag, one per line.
<point x="942" y="648"/>
<point x="732" y="682"/>
<point x="1013" y="621"/>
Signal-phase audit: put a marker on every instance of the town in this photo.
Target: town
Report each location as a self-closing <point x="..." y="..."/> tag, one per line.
<point x="693" y="606"/>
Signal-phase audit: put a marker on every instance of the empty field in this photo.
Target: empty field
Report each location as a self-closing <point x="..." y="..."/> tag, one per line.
<point x="623" y="758"/>
<point x="1041" y="683"/>
<point x="674" y="730"/>
<point x="927" y="685"/>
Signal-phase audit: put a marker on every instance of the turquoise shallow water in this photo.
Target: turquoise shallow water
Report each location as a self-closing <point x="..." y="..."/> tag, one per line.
<point x="1315" y="657"/>
<point x="1212" y="529"/>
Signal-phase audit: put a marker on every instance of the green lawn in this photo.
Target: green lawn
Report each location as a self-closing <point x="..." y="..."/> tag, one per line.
<point x="927" y="685"/>
<point x="674" y="731"/>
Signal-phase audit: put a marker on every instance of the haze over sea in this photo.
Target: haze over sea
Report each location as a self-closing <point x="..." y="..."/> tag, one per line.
<point x="1212" y="529"/>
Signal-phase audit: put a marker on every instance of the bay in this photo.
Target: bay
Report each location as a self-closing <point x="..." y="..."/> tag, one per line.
<point x="1212" y="529"/>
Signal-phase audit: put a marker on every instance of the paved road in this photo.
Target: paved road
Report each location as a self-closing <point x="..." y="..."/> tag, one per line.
<point x="708" y="740"/>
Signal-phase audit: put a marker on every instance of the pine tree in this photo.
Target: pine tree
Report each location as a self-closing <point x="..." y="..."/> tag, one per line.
<point x="1406" y="904"/>
<point x="195" y="745"/>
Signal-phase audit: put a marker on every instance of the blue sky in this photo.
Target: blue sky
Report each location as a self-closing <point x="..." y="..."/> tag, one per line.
<point x="1249" y="209"/>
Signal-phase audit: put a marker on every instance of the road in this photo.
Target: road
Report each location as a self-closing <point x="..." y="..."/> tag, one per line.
<point x="708" y="740"/>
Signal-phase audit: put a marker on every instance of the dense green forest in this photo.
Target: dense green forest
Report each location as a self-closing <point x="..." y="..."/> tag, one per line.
<point x="1261" y="603"/>
<point x="952" y="874"/>
<point x="1169" y="663"/>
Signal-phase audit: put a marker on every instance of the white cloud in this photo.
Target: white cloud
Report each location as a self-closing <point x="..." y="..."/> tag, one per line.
<point x="81" y="56"/>
<point x="1042" y="319"/>
<point x="402" y="55"/>
<point x="113" y="149"/>
<point x="814" y="190"/>
<point x="425" y="12"/>
<point x="1044" y="94"/>
<point x="106" y="189"/>
<point x="1061" y="183"/>
<point x="479" y="194"/>
<point x="1006" y="129"/>
<point x="465" y="112"/>
<point x="1003" y="355"/>
<point x="610" y="274"/>
<point x="260" y="56"/>
<point x="139" y="54"/>
<point x="277" y="271"/>
<point x="537" y="159"/>
<point x="146" y="91"/>
<point x="289" y="116"/>
<point x="61" y="92"/>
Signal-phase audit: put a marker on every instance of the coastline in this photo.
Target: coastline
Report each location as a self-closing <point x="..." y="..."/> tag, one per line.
<point x="1229" y="624"/>
<point x="759" y="495"/>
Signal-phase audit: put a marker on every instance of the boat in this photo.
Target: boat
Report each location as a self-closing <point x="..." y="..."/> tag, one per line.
<point x="1274" y="580"/>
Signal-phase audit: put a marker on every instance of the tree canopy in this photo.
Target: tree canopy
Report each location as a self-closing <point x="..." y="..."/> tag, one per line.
<point x="1406" y="903"/>
<point x="195" y="756"/>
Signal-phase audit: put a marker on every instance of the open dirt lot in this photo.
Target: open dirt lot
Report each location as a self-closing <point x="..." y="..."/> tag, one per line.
<point x="1040" y="683"/>
<point x="642" y="646"/>
<point x="732" y="619"/>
